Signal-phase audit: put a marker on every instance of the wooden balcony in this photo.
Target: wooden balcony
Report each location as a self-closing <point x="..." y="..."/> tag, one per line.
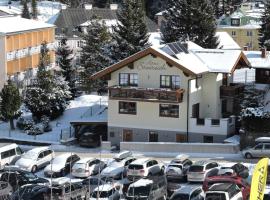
<point x="146" y="94"/>
<point x="231" y="91"/>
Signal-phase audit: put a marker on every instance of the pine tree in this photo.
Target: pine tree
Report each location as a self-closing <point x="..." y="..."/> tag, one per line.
<point x="93" y="56"/>
<point x="49" y="93"/>
<point x="10" y="103"/>
<point x="101" y="3"/>
<point x="264" y="32"/>
<point x="217" y="11"/>
<point x="34" y="9"/>
<point x="130" y="35"/>
<point x="25" y="11"/>
<point x="190" y="20"/>
<point x="64" y="59"/>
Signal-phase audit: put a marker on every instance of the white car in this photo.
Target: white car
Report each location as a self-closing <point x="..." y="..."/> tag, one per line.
<point x="61" y="165"/>
<point x="260" y="150"/>
<point x="105" y="192"/>
<point x="35" y="159"/>
<point x="188" y="192"/>
<point x="86" y="167"/>
<point x="224" y="191"/>
<point x="143" y="167"/>
<point x="198" y="171"/>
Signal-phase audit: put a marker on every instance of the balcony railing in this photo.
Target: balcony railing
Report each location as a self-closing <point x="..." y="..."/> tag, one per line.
<point x="231" y="91"/>
<point x="146" y="94"/>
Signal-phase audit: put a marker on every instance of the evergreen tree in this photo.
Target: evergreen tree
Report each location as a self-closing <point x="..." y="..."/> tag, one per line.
<point x="264" y="39"/>
<point x="64" y="59"/>
<point x="217" y="11"/>
<point x="25" y="11"/>
<point x="130" y="35"/>
<point x="93" y="56"/>
<point x="10" y="103"/>
<point x="49" y="93"/>
<point x="190" y="20"/>
<point x="101" y="3"/>
<point x="34" y="9"/>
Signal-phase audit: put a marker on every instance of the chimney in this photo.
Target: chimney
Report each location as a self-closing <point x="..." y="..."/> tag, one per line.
<point x="88" y="6"/>
<point x="264" y="52"/>
<point x="63" y="7"/>
<point x="245" y="48"/>
<point x="113" y="6"/>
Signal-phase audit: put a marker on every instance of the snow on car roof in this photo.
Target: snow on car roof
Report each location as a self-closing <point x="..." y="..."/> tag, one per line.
<point x="187" y="189"/>
<point x="140" y="161"/>
<point x="141" y="183"/>
<point x="202" y="162"/>
<point x="105" y="187"/>
<point x="85" y="160"/>
<point x="62" y="157"/>
<point x="38" y="149"/>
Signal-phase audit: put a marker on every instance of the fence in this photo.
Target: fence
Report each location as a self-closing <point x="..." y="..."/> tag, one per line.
<point x="244" y="76"/>
<point x="66" y="133"/>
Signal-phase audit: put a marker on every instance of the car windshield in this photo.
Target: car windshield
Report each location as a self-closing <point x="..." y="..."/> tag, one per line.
<point x="180" y="196"/>
<point x="80" y="165"/>
<point x="136" y="167"/>
<point x="30" y="176"/>
<point x="215" y="196"/>
<point x="196" y="168"/>
<point x="139" y="191"/>
<point x="176" y="166"/>
<point x="175" y="180"/>
<point x="58" y="160"/>
<point x="102" y="194"/>
<point x="30" y="155"/>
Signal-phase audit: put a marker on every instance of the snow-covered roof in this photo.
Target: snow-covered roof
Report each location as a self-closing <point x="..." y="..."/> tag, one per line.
<point x="105" y="187"/>
<point x="12" y="10"/>
<point x="141" y="183"/>
<point x="11" y="24"/>
<point x="154" y="38"/>
<point x="256" y="60"/>
<point x="234" y="139"/>
<point x="226" y="41"/>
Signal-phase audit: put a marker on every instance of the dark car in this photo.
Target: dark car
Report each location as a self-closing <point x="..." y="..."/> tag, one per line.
<point x="92" y="182"/>
<point x="61" y="165"/>
<point x="31" y="192"/>
<point x="17" y="178"/>
<point x="89" y="139"/>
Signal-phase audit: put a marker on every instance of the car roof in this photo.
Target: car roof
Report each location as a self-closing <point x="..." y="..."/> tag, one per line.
<point x="223" y="177"/>
<point x="85" y="160"/>
<point x="65" y="155"/>
<point x="140" y="161"/>
<point x="203" y="162"/>
<point x="187" y="189"/>
<point x="224" y="187"/>
<point x="123" y="155"/>
<point x="38" y="149"/>
<point x="141" y="183"/>
<point x="6" y="146"/>
<point x="105" y="187"/>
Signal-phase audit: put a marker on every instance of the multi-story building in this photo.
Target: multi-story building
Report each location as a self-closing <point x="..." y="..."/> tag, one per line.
<point x="20" y="43"/>
<point x="242" y="27"/>
<point x="175" y="92"/>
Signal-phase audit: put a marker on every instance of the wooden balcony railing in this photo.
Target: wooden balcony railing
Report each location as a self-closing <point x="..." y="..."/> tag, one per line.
<point x="146" y="94"/>
<point x="231" y="91"/>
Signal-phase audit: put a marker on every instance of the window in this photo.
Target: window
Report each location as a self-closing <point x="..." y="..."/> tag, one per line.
<point x="258" y="147"/>
<point x="267" y="146"/>
<point x="168" y="110"/>
<point x="78" y="43"/>
<point x="233" y="33"/>
<point x="8" y="153"/>
<point x="167" y="81"/>
<point x="127" y="79"/>
<point x="127" y="108"/>
<point x="41" y="155"/>
<point x="235" y="22"/>
<point x="215" y="122"/>
<point x="249" y="33"/>
<point x="208" y="139"/>
<point x="153" y="136"/>
<point x="111" y="134"/>
<point x="196" y="110"/>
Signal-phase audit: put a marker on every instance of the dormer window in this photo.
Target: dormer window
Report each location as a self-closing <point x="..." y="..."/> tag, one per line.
<point x="235" y="22"/>
<point x="128" y="79"/>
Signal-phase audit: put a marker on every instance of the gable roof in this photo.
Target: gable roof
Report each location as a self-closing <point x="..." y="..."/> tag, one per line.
<point x="256" y="60"/>
<point x="190" y="61"/>
<point x="71" y="18"/>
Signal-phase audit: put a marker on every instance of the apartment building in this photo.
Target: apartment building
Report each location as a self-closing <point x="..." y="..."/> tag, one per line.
<point x="20" y="43"/>
<point x="177" y="92"/>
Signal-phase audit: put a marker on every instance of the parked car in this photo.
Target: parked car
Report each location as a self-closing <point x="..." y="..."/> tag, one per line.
<point x="266" y="193"/>
<point x="9" y="154"/>
<point x="178" y="167"/>
<point x="198" y="171"/>
<point x="224" y="191"/>
<point x="106" y="192"/>
<point x="174" y="184"/>
<point x="86" y="167"/>
<point x="61" y="165"/>
<point x="31" y="192"/>
<point x="239" y="181"/>
<point x="89" y="139"/>
<point x="188" y="192"/>
<point x="152" y="188"/>
<point x="259" y="150"/>
<point x="35" y="159"/>
<point x="92" y="182"/>
<point x="143" y="167"/>
<point x="117" y="168"/>
<point x="5" y="190"/>
<point x="66" y="191"/>
<point x="17" y="177"/>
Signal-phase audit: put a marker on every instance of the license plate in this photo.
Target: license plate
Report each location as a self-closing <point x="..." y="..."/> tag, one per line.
<point x="134" y="173"/>
<point x="79" y="170"/>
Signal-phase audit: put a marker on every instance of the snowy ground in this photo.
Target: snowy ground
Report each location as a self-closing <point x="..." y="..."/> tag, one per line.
<point x="86" y="107"/>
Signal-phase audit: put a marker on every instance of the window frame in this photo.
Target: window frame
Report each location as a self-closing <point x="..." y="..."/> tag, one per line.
<point x="131" y="79"/>
<point x="170" y="107"/>
<point x="170" y="81"/>
<point x="129" y="112"/>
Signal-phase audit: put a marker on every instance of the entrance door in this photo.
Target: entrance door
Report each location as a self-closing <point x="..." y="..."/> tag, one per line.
<point x="196" y="110"/>
<point x="181" y="138"/>
<point x="224" y="106"/>
<point x="127" y="135"/>
<point x="153" y="136"/>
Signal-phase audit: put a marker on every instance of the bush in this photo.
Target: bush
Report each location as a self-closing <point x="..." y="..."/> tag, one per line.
<point x="23" y="123"/>
<point x="45" y="121"/>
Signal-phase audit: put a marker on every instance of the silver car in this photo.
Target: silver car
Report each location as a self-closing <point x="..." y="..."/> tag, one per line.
<point x="188" y="192"/>
<point x="260" y="150"/>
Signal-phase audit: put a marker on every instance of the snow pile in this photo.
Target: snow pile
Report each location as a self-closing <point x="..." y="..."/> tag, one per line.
<point x="255" y="112"/>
